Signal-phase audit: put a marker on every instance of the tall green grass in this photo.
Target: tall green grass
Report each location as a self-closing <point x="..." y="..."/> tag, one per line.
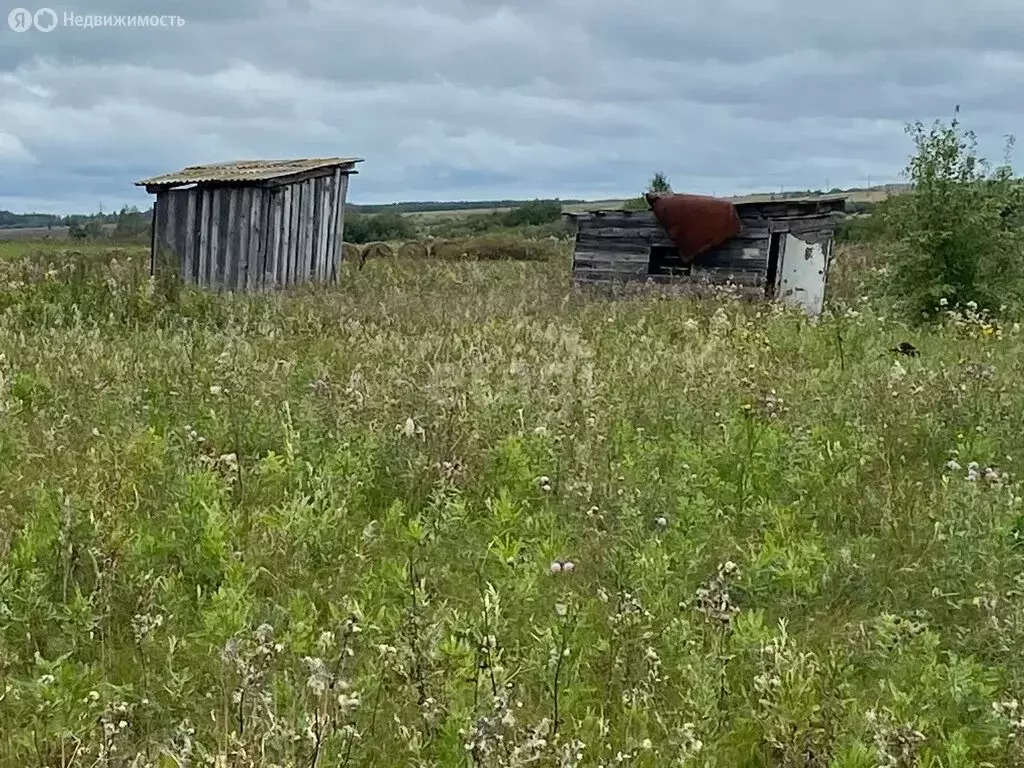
<point x="331" y="527"/>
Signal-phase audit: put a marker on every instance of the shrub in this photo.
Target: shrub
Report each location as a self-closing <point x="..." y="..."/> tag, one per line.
<point x="957" y="234"/>
<point x="636" y="204"/>
<point x="535" y="212"/>
<point x="367" y="228"/>
<point x="863" y="228"/>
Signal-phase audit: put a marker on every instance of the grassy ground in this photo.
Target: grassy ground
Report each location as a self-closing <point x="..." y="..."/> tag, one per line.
<point x="323" y="528"/>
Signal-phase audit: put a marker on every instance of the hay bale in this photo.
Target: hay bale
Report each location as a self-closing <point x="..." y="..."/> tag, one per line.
<point x="413" y="250"/>
<point x="449" y="250"/>
<point x="351" y="253"/>
<point x="377" y="251"/>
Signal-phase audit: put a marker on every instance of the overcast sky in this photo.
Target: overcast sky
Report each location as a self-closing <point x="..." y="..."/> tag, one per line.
<point x="475" y="99"/>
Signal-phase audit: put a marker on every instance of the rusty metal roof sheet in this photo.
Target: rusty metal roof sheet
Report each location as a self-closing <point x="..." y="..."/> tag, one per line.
<point x="245" y="171"/>
<point x="695" y="223"/>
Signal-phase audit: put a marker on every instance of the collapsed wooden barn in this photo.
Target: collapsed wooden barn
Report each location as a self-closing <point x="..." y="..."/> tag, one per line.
<point x="771" y="248"/>
<point x="251" y="225"/>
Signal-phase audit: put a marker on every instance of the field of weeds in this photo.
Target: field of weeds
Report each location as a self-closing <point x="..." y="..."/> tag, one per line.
<point x="455" y="514"/>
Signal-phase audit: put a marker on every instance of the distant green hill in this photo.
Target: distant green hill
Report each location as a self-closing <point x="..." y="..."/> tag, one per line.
<point x="434" y="206"/>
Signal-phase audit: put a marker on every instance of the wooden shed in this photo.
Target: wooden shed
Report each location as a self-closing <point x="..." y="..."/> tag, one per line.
<point x="781" y="249"/>
<point x="251" y="225"/>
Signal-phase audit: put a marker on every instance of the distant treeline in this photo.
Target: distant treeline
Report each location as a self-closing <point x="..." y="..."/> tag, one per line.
<point x="11" y="220"/>
<point x="534" y="217"/>
<point x="435" y="206"/>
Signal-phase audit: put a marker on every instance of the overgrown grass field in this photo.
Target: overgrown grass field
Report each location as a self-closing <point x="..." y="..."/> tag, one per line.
<point x="457" y="514"/>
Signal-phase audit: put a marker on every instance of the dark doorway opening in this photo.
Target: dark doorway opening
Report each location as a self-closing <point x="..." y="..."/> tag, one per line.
<point x="665" y="260"/>
<point x="774" y="252"/>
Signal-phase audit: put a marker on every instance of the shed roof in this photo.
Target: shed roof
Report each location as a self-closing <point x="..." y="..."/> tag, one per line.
<point x="244" y="171"/>
<point x="742" y="203"/>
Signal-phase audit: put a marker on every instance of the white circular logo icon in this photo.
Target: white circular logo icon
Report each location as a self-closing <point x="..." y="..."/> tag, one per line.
<point x="20" y="20"/>
<point x="45" y="19"/>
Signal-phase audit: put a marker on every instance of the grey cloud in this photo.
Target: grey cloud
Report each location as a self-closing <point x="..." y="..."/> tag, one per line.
<point x="457" y="99"/>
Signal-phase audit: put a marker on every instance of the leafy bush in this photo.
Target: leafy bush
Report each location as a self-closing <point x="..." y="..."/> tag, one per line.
<point x="367" y="228"/>
<point x="957" y="234"/>
<point x="860" y="229"/>
<point x="534" y="212"/>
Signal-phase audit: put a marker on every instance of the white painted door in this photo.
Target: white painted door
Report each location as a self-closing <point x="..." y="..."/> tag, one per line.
<point x="802" y="274"/>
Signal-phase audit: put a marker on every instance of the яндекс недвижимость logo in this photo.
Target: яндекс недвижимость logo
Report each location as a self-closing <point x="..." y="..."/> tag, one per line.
<point x="22" y="19"/>
<point x="46" y="20"/>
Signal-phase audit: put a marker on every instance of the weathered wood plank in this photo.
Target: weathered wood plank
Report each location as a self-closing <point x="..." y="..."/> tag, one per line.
<point x="330" y="223"/>
<point x="612" y="257"/>
<point x="308" y="201"/>
<point x="203" y="256"/>
<point x="170" y="252"/>
<point x="254" y="267"/>
<point x="740" y="279"/>
<point x="321" y="217"/>
<point x="656" y="232"/>
<point x="245" y="238"/>
<point x="189" y="255"/>
<point x="216" y="248"/>
<point x="153" y="236"/>
<point x="272" y="279"/>
<point x="720" y="258"/>
<point x="339" y="237"/>
<point x="316" y="193"/>
<point x="261" y="215"/>
<point x="288" y="247"/>
<point x="236" y="239"/>
<point x="228" y="233"/>
<point x="299" y="230"/>
<point x="614" y="245"/>
<point x="327" y="227"/>
<point x="293" y="243"/>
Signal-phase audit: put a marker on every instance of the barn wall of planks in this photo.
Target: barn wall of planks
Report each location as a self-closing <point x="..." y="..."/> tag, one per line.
<point x="253" y="235"/>
<point x="621" y="246"/>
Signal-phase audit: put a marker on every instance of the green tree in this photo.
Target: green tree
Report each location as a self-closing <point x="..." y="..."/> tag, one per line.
<point x="659" y="184"/>
<point x="957" y="235"/>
